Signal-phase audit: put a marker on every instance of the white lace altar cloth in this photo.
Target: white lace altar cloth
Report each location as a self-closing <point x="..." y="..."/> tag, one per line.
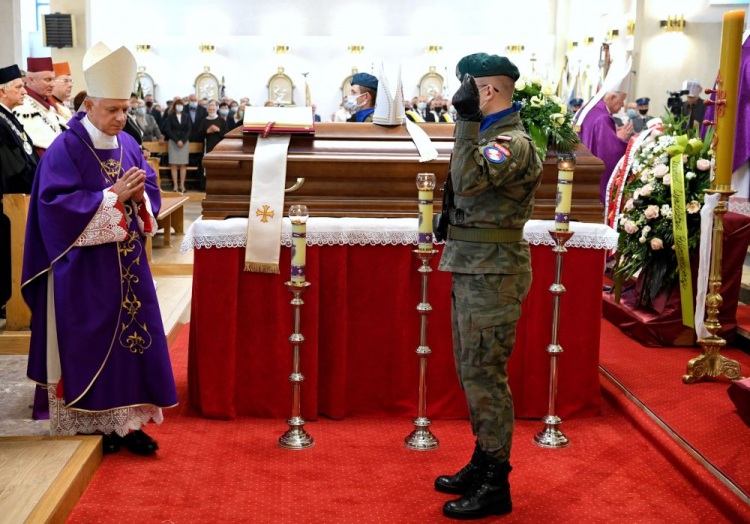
<point x="323" y="231"/>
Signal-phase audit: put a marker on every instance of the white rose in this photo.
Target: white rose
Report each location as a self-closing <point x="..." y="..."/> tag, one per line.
<point x="630" y="227"/>
<point x="563" y="109"/>
<point x="637" y="194"/>
<point x="642" y="240"/>
<point x="651" y="212"/>
<point x="536" y="79"/>
<point x="666" y="211"/>
<point x="667" y="180"/>
<point x="644" y="177"/>
<point x="646" y="229"/>
<point x="557" y="119"/>
<point x="660" y="170"/>
<point x="646" y="190"/>
<point x="548" y="90"/>
<point x="556" y="99"/>
<point x="703" y="164"/>
<point x="693" y="207"/>
<point x="629" y="204"/>
<point x="535" y="101"/>
<point x="689" y="175"/>
<point x="520" y="84"/>
<point x="656" y="244"/>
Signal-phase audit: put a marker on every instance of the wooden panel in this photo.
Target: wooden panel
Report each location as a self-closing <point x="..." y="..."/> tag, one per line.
<point x="15" y="342"/>
<point x="16" y="207"/>
<point x="368" y="171"/>
<point x="42" y="478"/>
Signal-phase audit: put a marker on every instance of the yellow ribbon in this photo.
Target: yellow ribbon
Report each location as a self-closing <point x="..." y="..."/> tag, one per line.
<point x="679" y="227"/>
<point x="683" y="146"/>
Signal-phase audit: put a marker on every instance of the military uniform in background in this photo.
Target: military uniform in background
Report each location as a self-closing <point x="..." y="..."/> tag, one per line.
<point x="495" y="171"/>
<point x="363" y="80"/>
<point x="639" y="122"/>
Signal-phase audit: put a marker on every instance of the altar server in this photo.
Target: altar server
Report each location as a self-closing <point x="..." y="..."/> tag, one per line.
<point x="97" y="341"/>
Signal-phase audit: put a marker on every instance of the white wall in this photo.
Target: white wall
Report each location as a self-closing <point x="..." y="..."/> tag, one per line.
<point x="10" y="33"/>
<point x="319" y="34"/>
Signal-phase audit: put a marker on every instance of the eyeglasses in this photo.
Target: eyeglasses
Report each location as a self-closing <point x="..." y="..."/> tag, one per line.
<point x="67" y="81"/>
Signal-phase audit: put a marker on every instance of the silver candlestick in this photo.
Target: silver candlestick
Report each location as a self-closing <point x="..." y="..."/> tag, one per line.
<point x="551" y="436"/>
<point x="422" y="439"/>
<point x="296" y="437"/>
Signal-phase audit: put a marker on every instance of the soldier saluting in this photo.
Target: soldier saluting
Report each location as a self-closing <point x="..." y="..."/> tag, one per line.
<point x="494" y="173"/>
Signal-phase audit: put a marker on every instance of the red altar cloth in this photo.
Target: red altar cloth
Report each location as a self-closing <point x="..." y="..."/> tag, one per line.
<point x="361" y="330"/>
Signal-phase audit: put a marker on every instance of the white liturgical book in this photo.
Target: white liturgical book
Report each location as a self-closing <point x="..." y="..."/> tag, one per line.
<point x="285" y="119"/>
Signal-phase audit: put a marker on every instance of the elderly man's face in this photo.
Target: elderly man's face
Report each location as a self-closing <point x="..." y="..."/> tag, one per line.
<point x="614" y="102"/>
<point x="108" y="115"/>
<point x="13" y="93"/>
<point x="192" y="98"/>
<point x="42" y="83"/>
<point x="63" y="87"/>
<point x="692" y="100"/>
<point x="212" y="109"/>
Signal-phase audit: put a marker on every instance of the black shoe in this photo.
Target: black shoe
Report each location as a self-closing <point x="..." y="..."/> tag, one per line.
<point x="458" y="484"/>
<point x="139" y="443"/>
<point x="490" y="494"/>
<point x="111" y="443"/>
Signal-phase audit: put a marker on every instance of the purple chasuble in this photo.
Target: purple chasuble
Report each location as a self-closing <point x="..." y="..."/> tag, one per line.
<point x="599" y="134"/>
<point x="112" y="347"/>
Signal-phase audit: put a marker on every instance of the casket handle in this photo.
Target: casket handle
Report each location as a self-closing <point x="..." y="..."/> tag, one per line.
<point x="296" y="186"/>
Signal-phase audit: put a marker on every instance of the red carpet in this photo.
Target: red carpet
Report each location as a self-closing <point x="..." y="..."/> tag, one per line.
<point x="743" y="317"/>
<point x="216" y="471"/>
<point x="701" y="413"/>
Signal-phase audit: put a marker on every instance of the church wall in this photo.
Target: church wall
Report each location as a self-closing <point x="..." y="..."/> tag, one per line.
<point x="11" y="49"/>
<point x="74" y="55"/>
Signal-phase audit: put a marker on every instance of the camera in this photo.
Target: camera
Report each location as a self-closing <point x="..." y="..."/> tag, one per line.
<point x="674" y="102"/>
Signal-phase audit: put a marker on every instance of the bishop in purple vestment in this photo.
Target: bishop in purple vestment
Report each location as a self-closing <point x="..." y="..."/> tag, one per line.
<point x="600" y="135"/>
<point x="97" y="341"/>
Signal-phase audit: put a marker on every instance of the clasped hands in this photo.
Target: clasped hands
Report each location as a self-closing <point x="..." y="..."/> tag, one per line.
<point x="131" y="185"/>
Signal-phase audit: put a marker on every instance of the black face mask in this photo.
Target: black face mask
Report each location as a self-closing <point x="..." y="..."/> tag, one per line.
<point x="149" y="104"/>
<point x="644" y="112"/>
<point x="437" y="109"/>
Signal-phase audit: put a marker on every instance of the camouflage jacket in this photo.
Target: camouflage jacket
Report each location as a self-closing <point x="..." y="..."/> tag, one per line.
<point x="495" y="174"/>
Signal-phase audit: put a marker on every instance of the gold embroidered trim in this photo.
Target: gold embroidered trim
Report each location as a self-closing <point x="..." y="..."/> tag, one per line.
<point x="260" y="267"/>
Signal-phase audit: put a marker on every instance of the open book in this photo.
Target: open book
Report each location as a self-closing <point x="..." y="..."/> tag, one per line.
<point x="284" y="119"/>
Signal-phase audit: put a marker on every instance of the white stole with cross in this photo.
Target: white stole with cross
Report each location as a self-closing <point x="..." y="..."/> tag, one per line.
<point x="266" y="204"/>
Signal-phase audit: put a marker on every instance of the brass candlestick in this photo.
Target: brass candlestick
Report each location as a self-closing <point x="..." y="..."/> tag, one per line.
<point x="296" y="437"/>
<point x="711" y="363"/>
<point x="422" y="439"/>
<point x="551" y="436"/>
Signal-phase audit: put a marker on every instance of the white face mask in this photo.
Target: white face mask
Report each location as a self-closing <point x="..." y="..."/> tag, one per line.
<point x="178" y="108"/>
<point x="352" y="101"/>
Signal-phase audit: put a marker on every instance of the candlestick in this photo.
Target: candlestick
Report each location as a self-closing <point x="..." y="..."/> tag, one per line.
<point x="551" y="436"/>
<point x="710" y="363"/>
<point x="298" y="214"/>
<point x="296" y="437"/>
<point x="566" y="164"/>
<point x="425" y="184"/>
<point x="726" y="97"/>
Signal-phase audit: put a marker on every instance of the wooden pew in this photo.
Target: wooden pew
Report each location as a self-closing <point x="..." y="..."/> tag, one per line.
<point x="16" y="207"/>
<point x="171" y="215"/>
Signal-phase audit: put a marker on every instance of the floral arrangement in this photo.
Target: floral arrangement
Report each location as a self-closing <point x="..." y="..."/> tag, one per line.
<point x="545" y="116"/>
<point x="646" y="243"/>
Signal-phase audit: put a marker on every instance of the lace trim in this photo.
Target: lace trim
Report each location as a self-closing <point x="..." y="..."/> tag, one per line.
<point x="743" y="208"/>
<point x="382" y="238"/>
<point x="108" y="224"/>
<point x="64" y="421"/>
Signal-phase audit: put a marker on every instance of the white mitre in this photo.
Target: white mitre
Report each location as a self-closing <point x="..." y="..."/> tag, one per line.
<point x="617" y="81"/>
<point x="389" y="109"/>
<point x="109" y="74"/>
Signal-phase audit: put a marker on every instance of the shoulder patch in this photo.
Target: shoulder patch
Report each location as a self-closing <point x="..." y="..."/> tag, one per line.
<point x="502" y="148"/>
<point x="494" y="155"/>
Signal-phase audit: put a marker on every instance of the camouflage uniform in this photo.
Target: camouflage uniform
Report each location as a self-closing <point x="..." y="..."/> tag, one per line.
<point x="490" y="280"/>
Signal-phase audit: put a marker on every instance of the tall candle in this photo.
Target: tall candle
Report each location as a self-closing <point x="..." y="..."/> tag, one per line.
<point x="726" y="98"/>
<point x="425" y="184"/>
<point x="298" y="215"/>
<point x="566" y="163"/>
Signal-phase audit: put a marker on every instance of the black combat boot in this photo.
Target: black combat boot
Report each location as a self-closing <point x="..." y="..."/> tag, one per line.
<point x="489" y="495"/>
<point x="458" y="484"/>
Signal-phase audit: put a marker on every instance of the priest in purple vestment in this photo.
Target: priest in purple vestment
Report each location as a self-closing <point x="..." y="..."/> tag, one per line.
<point x="97" y="340"/>
<point x="596" y="125"/>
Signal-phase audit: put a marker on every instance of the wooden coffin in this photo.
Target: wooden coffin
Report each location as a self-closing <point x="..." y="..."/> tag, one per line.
<point x="365" y="170"/>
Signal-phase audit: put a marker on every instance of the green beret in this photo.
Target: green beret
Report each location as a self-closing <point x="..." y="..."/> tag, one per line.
<point x="365" y="79"/>
<point x="482" y="64"/>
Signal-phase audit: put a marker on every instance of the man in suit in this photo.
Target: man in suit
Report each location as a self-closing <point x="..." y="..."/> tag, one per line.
<point x="315" y="112"/>
<point x="151" y="110"/>
<point x="693" y="107"/>
<point x="197" y="113"/>
<point x="639" y="121"/>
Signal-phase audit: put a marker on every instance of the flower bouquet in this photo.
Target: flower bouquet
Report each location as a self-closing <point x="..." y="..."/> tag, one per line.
<point x="545" y="116"/>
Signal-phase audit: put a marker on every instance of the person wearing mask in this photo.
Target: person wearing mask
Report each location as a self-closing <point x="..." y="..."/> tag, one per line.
<point x="343" y="113"/>
<point x="575" y="104"/>
<point x="640" y="120"/>
<point x="153" y="109"/>
<point x="177" y="129"/>
<point x="233" y="106"/>
<point x="494" y="172"/>
<point x="362" y="97"/>
<point x="133" y="104"/>
<point x="146" y="123"/>
<point x="63" y="89"/>
<point x="693" y="107"/>
<point x="436" y="109"/>
<point x="237" y="118"/>
<point x="212" y="131"/>
<point x="421" y="106"/>
<point x="197" y="113"/>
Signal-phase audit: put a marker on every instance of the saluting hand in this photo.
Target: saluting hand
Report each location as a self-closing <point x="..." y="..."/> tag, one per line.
<point x="466" y="101"/>
<point x="130" y="185"/>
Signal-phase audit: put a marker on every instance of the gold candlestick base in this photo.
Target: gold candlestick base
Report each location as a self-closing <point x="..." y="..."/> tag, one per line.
<point x="710" y="363"/>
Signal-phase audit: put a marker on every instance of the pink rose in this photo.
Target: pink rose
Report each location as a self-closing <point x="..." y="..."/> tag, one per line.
<point x="656" y="244"/>
<point x="630" y="227"/>
<point x="693" y="207"/>
<point x="651" y="212"/>
<point x="646" y="190"/>
<point x="703" y="164"/>
<point x="667" y="180"/>
<point x="629" y="205"/>
<point x="660" y="170"/>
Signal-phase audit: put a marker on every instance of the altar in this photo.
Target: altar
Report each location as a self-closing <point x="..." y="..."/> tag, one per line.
<point x="361" y="326"/>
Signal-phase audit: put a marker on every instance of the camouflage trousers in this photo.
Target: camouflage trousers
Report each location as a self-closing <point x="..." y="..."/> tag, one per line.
<point x="485" y="310"/>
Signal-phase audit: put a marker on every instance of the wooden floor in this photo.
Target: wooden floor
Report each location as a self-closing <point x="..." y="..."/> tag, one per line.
<point x="42" y="478"/>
